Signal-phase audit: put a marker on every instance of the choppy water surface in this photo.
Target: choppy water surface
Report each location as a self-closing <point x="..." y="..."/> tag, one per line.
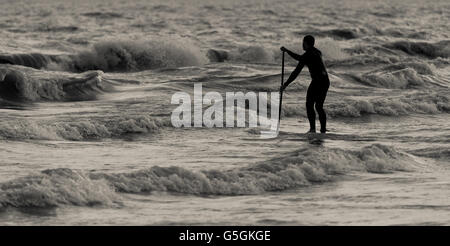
<point x="86" y="137"/>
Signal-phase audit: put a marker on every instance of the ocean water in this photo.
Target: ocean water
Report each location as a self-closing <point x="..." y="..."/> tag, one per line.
<point x="86" y="136"/>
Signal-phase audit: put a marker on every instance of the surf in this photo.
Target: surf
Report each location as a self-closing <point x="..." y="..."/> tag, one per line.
<point x="297" y="169"/>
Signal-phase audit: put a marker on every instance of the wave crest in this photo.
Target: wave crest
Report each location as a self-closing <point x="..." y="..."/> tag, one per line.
<point x="27" y="84"/>
<point x="135" y="56"/>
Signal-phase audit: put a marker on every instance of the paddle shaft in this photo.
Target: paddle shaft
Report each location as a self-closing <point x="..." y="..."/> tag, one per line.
<point x="281" y="91"/>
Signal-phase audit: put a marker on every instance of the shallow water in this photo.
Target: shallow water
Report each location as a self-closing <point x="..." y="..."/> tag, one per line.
<point x="86" y="137"/>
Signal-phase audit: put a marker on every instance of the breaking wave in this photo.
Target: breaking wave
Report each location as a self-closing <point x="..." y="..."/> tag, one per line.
<point x="135" y="56"/>
<point x="121" y="55"/>
<point x="27" y="84"/>
<point x="57" y="187"/>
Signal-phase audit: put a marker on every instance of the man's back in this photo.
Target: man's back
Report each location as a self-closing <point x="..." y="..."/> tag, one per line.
<point x="313" y="59"/>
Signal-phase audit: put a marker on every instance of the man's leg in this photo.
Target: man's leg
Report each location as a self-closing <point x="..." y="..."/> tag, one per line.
<point x="310" y="96"/>
<point x="321" y="111"/>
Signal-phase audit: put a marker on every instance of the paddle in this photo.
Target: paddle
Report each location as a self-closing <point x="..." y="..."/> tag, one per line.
<point x="281" y="92"/>
<point x="272" y="134"/>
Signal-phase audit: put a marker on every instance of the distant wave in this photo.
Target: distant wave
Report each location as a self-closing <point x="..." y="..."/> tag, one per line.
<point x="27" y="84"/>
<point x="354" y="33"/>
<point x="164" y="8"/>
<point x="374" y="55"/>
<point x="261" y="54"/>
<point x="429" y="50"/>
<point x="403" y="33"/>
<point x="56" y="28"/>
<point x="244" y="54"/>
<point x="55" y="187"/>
<point x="89" y="129"/>
<point x="103" y="15"/>
<point x="342" y="33"/>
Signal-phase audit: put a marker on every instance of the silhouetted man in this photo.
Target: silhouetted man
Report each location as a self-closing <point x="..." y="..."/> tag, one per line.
<point x="317" y="90"/>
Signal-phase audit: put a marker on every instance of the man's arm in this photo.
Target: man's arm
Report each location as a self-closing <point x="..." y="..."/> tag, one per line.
<point x="292" y="54"/>
<point x="293" y="75"/>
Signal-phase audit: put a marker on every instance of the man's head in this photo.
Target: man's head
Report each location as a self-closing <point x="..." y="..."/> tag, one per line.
<point x="308" y="42"/>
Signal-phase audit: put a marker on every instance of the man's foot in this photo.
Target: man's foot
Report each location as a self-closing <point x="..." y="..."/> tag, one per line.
<point x="311" y="131"/>
<point x="323" y="130"/>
